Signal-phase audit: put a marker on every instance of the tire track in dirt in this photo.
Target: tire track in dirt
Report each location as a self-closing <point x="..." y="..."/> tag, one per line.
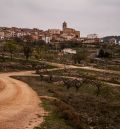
<point x="19" y="104"/>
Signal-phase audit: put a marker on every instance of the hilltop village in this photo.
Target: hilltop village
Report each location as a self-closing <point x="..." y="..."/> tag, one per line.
<point x="50" y="35"/>
<point x="67" y="71"/>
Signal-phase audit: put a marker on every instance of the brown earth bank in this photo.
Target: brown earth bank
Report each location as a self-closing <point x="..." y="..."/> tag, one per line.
<point x="19" y="104"/>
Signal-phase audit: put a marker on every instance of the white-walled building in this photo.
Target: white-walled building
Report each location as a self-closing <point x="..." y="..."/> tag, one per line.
<point x="69" y="51"/>
<point x="2" y="35"/>
<point x="113" y="41"/>
<point x="118" y="42"/>
<point x="47" y="39"/>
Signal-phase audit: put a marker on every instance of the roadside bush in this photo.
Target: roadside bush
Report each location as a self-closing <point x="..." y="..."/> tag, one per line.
<point x="69" y="114"/>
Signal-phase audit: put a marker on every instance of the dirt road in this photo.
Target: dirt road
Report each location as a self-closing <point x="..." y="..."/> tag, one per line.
<point x="19" y="104"/>
<point x="84" y="67"/>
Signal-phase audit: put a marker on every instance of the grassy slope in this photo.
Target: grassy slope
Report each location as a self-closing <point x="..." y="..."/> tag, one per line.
<point x="107" y="77"/>
<point x="78" y="110"/>
<point x="54" y="120"/>
<point x="18" y="65"/>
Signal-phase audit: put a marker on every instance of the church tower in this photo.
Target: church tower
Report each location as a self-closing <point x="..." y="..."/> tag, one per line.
<point x="64" y="25"/>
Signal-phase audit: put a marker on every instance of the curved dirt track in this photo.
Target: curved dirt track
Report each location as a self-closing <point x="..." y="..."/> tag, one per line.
<point x="19" y="104"/>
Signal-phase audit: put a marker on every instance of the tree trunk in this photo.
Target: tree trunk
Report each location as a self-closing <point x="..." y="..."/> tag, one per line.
<point x="11" y="56"/>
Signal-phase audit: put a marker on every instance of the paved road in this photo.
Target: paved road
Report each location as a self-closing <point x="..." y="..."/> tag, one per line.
<point x="19" y="104"/>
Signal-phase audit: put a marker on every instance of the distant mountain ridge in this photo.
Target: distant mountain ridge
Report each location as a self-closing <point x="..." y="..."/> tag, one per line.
<point x="107" y="38"/>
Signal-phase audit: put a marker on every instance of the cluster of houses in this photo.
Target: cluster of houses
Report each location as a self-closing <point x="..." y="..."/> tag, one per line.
<point x="51" y="35"/>
<point x="91" y="38"/>
<point x="114" y="41"/>
<point x="8" y="33"/>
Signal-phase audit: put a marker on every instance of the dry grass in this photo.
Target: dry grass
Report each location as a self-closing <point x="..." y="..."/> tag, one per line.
<point x="82" y="109"/>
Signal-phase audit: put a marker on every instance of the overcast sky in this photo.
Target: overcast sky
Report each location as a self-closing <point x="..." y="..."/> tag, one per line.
<point x="88" y="16"/>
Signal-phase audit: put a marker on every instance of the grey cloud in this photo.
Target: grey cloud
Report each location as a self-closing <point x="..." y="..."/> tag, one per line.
<point x="107" y="2"/>
<point x="88" y="16"/>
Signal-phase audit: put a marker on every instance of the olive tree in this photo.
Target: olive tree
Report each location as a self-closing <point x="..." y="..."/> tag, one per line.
<point x="11" y="47"/>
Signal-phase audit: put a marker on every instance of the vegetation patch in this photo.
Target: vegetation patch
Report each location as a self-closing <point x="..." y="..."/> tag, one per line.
<point x="78" y="110"/>
<point x="54" y="119"/>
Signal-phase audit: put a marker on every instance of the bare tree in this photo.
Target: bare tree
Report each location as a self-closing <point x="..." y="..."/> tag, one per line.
<point x="50" y="77"/>
<point x="76" y="83"/>
<point x="27" y="51"/>
<point x="11" y="47"/>
<point x="41" y="77"/>
<point x="3" y="51"/>
<point x="98" y="84"/>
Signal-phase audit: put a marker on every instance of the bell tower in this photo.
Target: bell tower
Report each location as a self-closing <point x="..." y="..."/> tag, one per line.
<point x="64" y="25"/>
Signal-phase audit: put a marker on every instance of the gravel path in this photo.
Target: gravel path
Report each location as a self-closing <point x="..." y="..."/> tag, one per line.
<point x="84" y="67"/>
<point x="19" y="104"/>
